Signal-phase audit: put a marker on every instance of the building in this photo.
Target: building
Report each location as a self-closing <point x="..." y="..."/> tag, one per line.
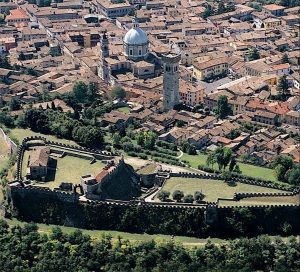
<point x="292" y="118"/>
<point x="113" y="9"/>
<point x="274" y="9"/>
<point x="17" y="17"/>
<point x="135" y="43"/>
<point x="171" y="81"/>
<point x="7" y="43"/>
<point x="103" y="68"/>
<point x="135" y="57"/>
<point x="210" y="68"/>
<point x="190" y="95"/>
<point x="38" y="163"/>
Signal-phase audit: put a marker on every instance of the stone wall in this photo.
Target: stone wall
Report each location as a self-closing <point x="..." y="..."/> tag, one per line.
<point x="11" y="144"/>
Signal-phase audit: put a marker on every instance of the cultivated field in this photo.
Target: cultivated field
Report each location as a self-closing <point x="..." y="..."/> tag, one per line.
<point x="247" y="169"/>
<point x="213" y="189"/>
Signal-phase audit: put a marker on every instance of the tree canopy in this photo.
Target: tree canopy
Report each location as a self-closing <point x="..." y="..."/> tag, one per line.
<point x="25" y="249"/>
<point x="223" y="109"/>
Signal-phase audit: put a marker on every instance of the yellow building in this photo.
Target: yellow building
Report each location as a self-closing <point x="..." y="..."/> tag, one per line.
<point x="271" y="23"/>
<point x="210" y="68"/>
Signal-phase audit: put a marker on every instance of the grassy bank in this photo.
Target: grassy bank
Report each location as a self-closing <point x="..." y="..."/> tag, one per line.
<point x="247" y="169"/>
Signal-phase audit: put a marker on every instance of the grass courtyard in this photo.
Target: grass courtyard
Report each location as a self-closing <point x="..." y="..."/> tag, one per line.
<point x="247" y="169"/>
<point x="213" y="189"/>
<point x="67" y="169"/>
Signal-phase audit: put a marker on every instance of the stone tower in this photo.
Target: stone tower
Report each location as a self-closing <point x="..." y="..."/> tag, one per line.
<point x="104" y="46"/>
<point x="103" y="68"/>
<point x="171" y="81"/>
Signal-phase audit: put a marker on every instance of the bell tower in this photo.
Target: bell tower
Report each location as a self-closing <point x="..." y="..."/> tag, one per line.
<point x="103" y="68"/>
<point x="171" y="81"/>
<point x="104" y="46"/>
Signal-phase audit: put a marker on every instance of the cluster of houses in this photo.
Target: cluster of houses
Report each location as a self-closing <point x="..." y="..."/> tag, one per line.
<point x="98" y="41"/>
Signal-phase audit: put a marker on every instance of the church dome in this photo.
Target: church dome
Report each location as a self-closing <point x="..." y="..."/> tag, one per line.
<point x="135" y="36"/>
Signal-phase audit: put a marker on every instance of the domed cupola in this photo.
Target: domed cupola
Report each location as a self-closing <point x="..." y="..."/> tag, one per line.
<point x="135" y="42"/>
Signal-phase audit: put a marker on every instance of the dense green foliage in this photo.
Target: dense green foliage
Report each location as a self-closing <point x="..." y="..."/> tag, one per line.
<point x="286" y="170"/>
<point x="223" y="109"/>
<point x="253" y="54"/>
<point x="283" y="88"/>
<point x="24" y="249"/>
<point x="222" y="156"/>
<point x="60" y="124"/>
<point x="118" y="92"/>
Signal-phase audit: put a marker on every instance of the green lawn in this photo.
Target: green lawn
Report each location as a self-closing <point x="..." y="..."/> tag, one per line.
<point x="124" y="110"/>
<point x="213" y="189"/>
<point x="20" y="134"/>
<point x="68" y="169"/>
<point x="247" y="169"/>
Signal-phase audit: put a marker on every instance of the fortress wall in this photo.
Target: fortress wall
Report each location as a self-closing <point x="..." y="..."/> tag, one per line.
<point x="236" y="179"/>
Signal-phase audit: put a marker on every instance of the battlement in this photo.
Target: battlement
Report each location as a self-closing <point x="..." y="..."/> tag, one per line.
<point x="239" y="196"/>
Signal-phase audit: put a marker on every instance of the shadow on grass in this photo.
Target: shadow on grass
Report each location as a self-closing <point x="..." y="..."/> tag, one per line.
<point x="51" y="170"/>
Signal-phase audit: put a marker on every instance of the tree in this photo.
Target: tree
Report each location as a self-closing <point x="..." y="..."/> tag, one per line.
<point x="237" y="169"/>
<point x="37" y="120"/>
<point x="293" y="176"/>
<point x="116" y="139"/>
<point x="222" y="156"/>
<point x="282" y="165"/>
<point x="4" y="62"/>
<point x="198" y="196"/>
<point x="283" y="88"/>
<point x="89" y="136"/>
<point x="22" y="56"/>
<point x="221" y="7"/>
<point x="227" y="176"/>
<point x="223" y="108"/>
<point x="177" y="195"/>
<point x="232" y="164"/>
<point x="163" y="195"/>
<point x="80" y="91"/>
<point x="180" y="123"/>
<point x="140" y="138"/>
<point x="208" y="11"/>
<point x="118" y="93"/>
<point x="20" y="121"/>
<point x="149" y="140"/>
<point x="234" y="133"/>
<point x="14" y="104"/>
<point x="210" y="159"/>
<point x="253" y="54"/>
<point x="285" y="59"/>
<point x="188" y="199"/>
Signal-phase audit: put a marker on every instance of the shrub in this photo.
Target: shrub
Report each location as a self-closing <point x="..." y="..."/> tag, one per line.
<point x="188" y="199"/>
<point x="163" y="195"/>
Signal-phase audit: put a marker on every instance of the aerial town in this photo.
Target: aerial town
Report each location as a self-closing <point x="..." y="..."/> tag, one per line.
<point x="137" y="115"/>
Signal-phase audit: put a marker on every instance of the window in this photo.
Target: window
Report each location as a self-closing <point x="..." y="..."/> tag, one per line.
<point x="130" y="52"/>
<point x="140" y="52"/>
